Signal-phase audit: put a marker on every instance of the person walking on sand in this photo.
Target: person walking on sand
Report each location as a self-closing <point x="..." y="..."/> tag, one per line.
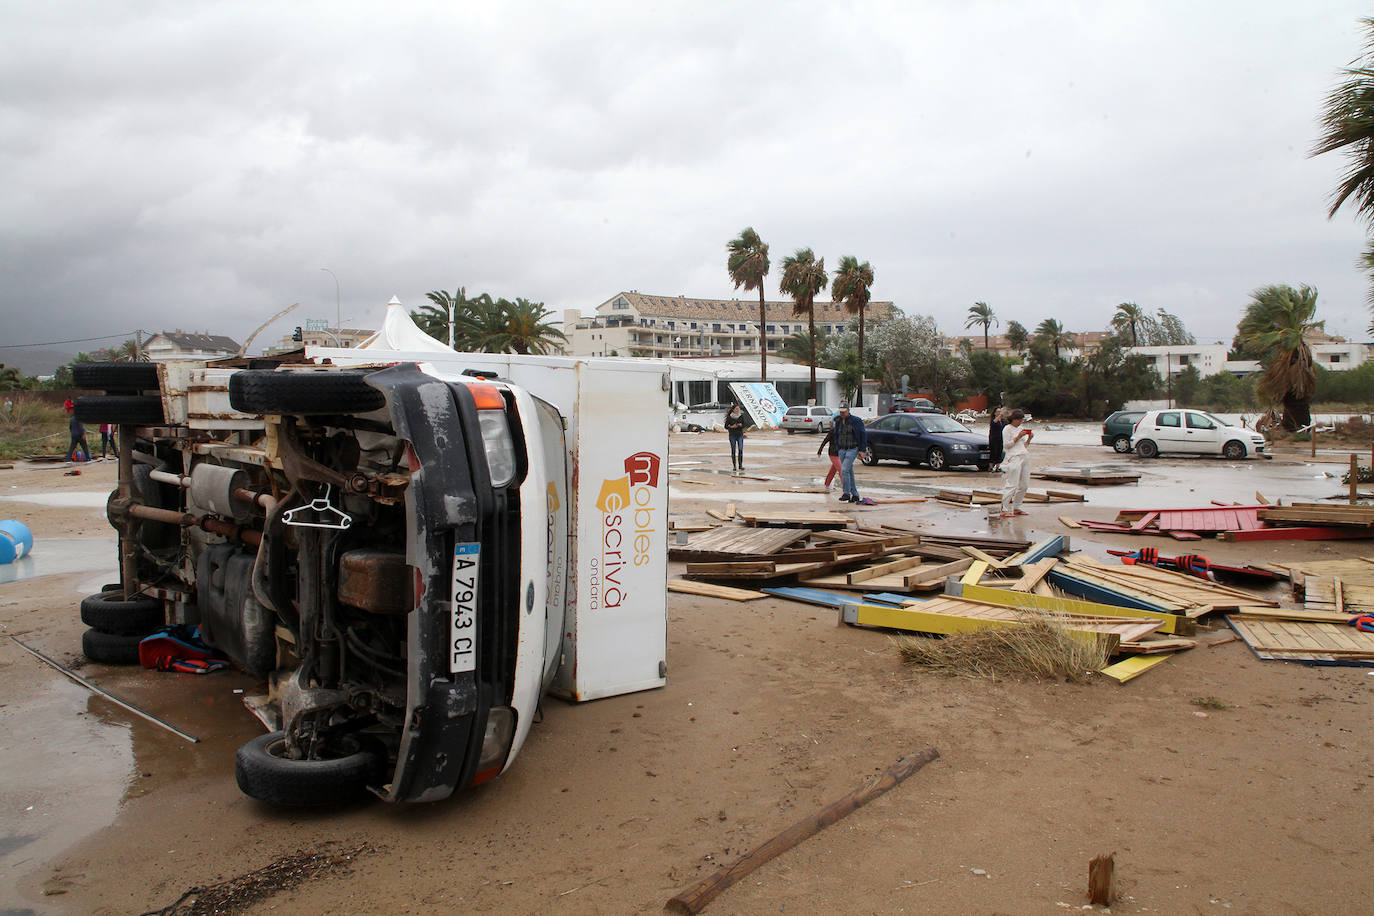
<point x="834" y="455"/>
<point x="78" y="433"/>
<point x="107" y="440"/>
<point x="1016" y="457"/>
<point x="851" y="440"/>
<point x="995" y="427"/>
<point x="734" y="425"/>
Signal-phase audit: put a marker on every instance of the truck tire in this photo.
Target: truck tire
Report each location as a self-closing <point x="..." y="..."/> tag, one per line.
<point x="110" y="648"/>
<point x="262" y="772"/>
<point x="116" y="377"/>
<point x="109" y="612"/>
<point x="140" y="409"/>
<point x="263" y="391"/>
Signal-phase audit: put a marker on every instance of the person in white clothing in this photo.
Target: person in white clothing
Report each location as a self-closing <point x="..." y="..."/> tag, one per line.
<point x="1016" y="461"/>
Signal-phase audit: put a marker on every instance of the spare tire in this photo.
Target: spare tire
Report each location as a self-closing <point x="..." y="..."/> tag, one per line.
<point x="110" y="648"/>
<point x="143" y="410"/>
<point x="118" y="377"/>
<point x="264" y="772"/>
<point x="109" y="612"/>
<point x="264" y="391"/>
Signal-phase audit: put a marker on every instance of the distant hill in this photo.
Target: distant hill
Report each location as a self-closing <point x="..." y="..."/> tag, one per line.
<point x="35" y="362"/>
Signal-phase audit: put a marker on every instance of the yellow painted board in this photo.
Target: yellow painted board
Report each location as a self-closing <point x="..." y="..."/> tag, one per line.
<point x="914" y="620"/>
<point x="975" y="572"/>
<point x="1173" y="623"/>
<point x="1134" y="667"/>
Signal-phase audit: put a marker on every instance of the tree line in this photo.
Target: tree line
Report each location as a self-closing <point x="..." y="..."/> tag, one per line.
<point x="485" y="324"/>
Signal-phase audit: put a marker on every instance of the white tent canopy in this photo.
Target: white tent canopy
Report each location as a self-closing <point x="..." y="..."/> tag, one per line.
<point x="398" y="332"/>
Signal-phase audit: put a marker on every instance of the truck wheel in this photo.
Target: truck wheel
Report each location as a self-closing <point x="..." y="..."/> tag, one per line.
<point x="1234" y="450"/>
<point x="936" y="459"/>
<point x="110" y="613"/>
<point x="141" y="409"/>
<point x="265" y="773"/>
<point x="266" y="391"/>
<point x="1146" y="448"/>
<point x="1122" y="444"/>
<point x="110" y="648"/>
<point x="118" y="377"/>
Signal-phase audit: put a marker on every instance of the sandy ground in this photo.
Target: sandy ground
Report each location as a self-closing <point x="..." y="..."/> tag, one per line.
<point x="771" y="712"/>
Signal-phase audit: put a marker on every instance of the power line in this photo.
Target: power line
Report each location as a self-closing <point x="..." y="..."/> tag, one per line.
<point x="52" y="343"/>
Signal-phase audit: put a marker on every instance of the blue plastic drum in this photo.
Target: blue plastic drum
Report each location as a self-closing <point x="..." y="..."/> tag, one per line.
<point x="16" y="541"/>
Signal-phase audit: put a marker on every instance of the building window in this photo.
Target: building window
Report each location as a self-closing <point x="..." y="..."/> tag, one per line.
<point x="620" y="303"/>
<point x="716" y="327"/>
<point x="1183" y="359"/>
<point x="1335" y="357"/>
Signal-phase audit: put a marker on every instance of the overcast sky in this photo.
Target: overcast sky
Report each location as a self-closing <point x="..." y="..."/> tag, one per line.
<point x="195" y="165"/>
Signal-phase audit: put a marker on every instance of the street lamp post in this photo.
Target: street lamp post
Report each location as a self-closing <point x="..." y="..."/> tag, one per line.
<point x="338" y="307"/>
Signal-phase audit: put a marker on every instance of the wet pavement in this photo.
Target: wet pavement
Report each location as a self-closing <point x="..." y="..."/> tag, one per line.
<point x="58" y="556"/>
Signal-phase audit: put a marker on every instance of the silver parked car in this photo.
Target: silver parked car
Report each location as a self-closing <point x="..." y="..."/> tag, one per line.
<point x="808" y="419"/>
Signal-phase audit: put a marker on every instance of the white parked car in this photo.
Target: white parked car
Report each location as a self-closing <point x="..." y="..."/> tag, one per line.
<point x="1192" y="432"/>
<point x="808" y="419"/>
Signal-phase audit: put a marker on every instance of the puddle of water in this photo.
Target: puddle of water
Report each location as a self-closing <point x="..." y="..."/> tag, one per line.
<point x="58" y="556"/>
<point x="67" y="499"/>
<point x="66" y="772"/>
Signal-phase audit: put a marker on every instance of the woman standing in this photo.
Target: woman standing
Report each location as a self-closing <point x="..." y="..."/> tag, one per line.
<point x="995" y="427"/>
<point x="1015" y="440"/>
<point x="734" y="425"/>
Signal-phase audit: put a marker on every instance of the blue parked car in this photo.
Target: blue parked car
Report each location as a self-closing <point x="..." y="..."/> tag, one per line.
<point x="936" y="440"/>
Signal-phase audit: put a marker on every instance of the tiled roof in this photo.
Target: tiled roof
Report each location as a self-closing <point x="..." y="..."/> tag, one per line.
<point x="727" y="309"/>
<point x="199" y="341"/>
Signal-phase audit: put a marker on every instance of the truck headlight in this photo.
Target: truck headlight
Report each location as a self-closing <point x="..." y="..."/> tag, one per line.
<point x="500" y="448"/>
<point x="495" y="743"/>
<point x="496" y="438"/>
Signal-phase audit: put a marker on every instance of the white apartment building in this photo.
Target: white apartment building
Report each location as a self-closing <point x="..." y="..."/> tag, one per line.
<point x="637" y="324"/>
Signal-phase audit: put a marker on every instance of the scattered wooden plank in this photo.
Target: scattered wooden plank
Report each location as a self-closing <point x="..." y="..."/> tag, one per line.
<point x="1068" y="522"/>
<point x="718" y="516"/>
<point x="710" y="590"/>
<point x="729" y="511"/>
<point x="975" y="572"/>
<point x="1296" y="534"/>
<point x="1301" y="641"/>
<point x="882" y="569"/>
<point x="1131" y="668"/>
<point x="979" y="555"/>
<point x="1031" y="575"/>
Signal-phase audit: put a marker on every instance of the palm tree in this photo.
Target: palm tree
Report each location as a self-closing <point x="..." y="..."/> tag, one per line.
<point x="797" y="347"/>
<point x="748" y="265"/>
<point x="1129" y="315"/>
<point x="434" y="319"/>
<point x="1274" y="325"/>
<point x="981" y="313"/>
<point x="852" y="287"/>
<point x="528" y="329"/>
<point x="127" y="352"/>
<point x="1349" y="126"/>
<point x="1053" y="333"/>
<point x="803" y="276"/>
<point x="1017" y="335"/>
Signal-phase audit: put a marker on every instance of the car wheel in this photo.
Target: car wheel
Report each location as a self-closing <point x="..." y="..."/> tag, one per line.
<point x="267" y="391"/>
<point x="1122" y="444"/>
<point x="110" y="613"/>
<point x="110" y="648"/>
<point x="936" y="459"/>
<point x="263" y="771"/>
<point x="140" y="409"/>
<point x="983" y="465"/>
<point x="1233" y="450"/>
<point x="870" y="457"/>
<point x="1146" y="448"/>
<point x="790" y="430"/>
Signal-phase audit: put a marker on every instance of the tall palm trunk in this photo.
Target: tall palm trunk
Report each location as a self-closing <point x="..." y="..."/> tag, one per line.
<point x="763" y="338"/>
<point x="858" y="394"/>
<point x="811" y="322"/>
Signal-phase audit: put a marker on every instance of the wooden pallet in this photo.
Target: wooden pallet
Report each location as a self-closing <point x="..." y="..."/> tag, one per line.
<point x="736" y="541"/>
<point x="1316" y="514"/>
<point x="1291" y="640"/>
<point x="1092" y="477"/>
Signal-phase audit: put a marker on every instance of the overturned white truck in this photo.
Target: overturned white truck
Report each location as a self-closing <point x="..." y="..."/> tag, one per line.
<point x="410" y="550"/>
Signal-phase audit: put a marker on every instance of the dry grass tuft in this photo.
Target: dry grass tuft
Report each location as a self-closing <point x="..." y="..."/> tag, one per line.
<point x="1041" y="648"/>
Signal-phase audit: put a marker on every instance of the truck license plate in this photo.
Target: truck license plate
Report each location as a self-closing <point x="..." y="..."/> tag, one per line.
<point x="463" y="624"/>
